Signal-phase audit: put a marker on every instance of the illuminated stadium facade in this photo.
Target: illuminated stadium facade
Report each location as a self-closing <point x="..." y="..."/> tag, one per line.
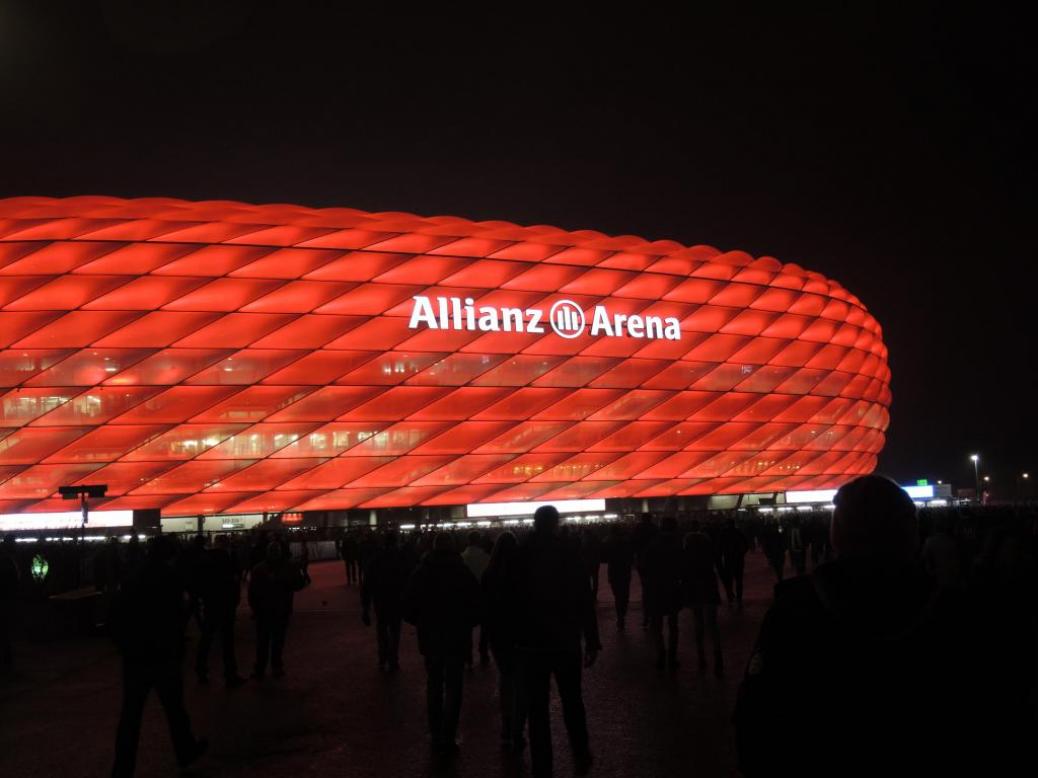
<point x="217" y="357"/>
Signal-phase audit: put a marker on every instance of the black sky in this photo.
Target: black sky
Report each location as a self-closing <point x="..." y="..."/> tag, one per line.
<point x="890" y="148"/>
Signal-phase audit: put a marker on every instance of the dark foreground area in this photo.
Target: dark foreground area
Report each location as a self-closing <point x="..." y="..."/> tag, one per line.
<point x="335" y="712"/>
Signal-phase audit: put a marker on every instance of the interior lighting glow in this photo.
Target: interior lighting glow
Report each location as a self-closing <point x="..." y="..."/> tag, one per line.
<point x="811" y="495"/>
<point x="494" y="509"/>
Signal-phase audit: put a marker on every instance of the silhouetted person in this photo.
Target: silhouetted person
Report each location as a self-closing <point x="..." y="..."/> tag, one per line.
<point x="619" y="557"/>
<point x="258" y="550"/>
<point x="732" y="548"/>
<point x="797" y="543"/>
<point x="442" y="600"/>
<point x="148" y="623"/>
<point x="366" y="548"/>
<point x="134" y="556"/>
<point x="351" y="558"/>
<point x="108" y="568"/>
<point x="476" y="560"/>
<point x="941" y="555"/>
<point x="591" y="552"/>
<point x="9" y="580"/>
<point x="218" y="583"/>
<point x="272" y="588"/>
<point x="554" y="612"/>
<point x="304" y="561"/>
<point x="773" y="543"/>
<point x="702" y="596"/>
<point x="816" y="532"/>
<point x="500" y="625"/>
<point x="189" y="564"/>
<point x="644" y="531"/>
<point x="865" y="658"/>
<point x="662" y="568"/>
<point x="383" y="587"/>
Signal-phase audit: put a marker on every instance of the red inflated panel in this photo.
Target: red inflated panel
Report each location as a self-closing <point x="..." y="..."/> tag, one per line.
<point x="224" y="357"/>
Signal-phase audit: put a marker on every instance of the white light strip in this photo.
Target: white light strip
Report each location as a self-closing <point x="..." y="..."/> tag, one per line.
<point x="13" y="522"/>
<point x="827" y="495"/>
<point x="494" y="509"/>
<point x="919" y="492"/>
<point x="813" y="495"/>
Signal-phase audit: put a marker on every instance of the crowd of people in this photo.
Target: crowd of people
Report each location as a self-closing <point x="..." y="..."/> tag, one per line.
<point x="874" y="639"/>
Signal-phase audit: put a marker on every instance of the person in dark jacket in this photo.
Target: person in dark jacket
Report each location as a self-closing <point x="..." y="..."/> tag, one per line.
<point x="591" y="552"/>
<point x="442" y="599"/>
<point x="189" y="563"/>
<point x="661" y="578"/>
<point x="773" y="543"/>
<point x="644" y="531"/>
<point x="554" y="612"/>
<point x="731" y="549"/>
<point x="383" y="586"/>
<point x="867" y="656"/>
<point x="9" y="583"/>
<point x="272" y="588"/>
<point x="366" y="548"/>
<point x="148" y="620"/>
<point x="351" y="558"/>
<point x="499" y="625"/>
<point x="619" y="557"/>
<point x="218" y="586"/>
<point x="701" y="594"/>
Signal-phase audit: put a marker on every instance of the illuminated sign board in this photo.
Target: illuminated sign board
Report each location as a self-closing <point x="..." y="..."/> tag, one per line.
<point x="13" y="522"/>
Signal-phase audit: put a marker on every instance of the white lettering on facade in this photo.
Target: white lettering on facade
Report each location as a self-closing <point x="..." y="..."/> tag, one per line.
<point x="566" y="319"/>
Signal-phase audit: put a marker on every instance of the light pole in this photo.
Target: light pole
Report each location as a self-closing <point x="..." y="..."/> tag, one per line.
<point x="975" y="458"/>
<point x="83" y="494"/>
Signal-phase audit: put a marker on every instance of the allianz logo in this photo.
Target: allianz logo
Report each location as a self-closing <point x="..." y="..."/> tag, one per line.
<point x="565" y="318"/>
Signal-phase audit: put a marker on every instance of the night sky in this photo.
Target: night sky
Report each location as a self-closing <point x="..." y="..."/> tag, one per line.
<point x="889" y="149"/>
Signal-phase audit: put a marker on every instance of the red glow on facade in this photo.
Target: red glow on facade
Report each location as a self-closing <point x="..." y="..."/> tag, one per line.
<point x="221" y="357"/>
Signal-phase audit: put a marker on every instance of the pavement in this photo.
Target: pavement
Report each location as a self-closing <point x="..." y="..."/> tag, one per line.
<point x="335" y="713"/>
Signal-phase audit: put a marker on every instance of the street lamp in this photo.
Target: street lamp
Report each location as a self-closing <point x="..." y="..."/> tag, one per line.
<point x="975" y="458"/>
